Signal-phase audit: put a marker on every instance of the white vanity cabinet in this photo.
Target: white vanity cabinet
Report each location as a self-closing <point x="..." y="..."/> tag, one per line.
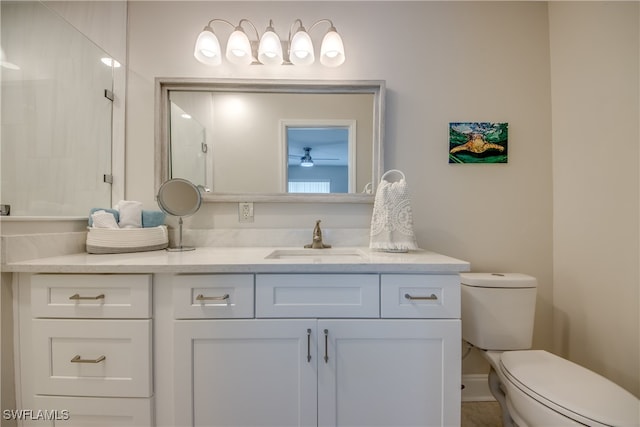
<point x="85" y="349"/>
<point x="321" y="352"/>
<point x="232" y="337"/>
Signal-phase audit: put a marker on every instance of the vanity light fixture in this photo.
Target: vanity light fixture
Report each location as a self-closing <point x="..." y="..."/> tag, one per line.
<point x="269" y="49"/>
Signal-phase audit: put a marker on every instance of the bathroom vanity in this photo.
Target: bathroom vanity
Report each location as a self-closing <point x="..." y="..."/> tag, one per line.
<point x="241" y="337"/>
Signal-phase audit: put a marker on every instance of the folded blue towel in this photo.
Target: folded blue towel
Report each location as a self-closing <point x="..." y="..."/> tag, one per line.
<point x="152" y="218"/>
<point x="113" y="212"/>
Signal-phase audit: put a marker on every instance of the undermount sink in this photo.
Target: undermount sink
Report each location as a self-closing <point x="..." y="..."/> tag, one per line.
<point x="317" y="254"/>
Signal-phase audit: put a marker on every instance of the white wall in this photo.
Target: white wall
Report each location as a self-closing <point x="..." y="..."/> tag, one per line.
<point x="442" y="62"/>
<point x="596" y="121"/>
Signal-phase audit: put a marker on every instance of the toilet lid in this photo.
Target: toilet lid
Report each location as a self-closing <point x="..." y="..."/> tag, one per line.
<point x="570" y="389"/>
<point x="498" y="280"/>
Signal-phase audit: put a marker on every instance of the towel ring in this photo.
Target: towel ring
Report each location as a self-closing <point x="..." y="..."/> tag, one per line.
<point x="390" y="171"/>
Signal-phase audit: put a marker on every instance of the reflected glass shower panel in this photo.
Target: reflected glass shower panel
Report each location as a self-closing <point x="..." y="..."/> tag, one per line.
<point x="189" y="155"/>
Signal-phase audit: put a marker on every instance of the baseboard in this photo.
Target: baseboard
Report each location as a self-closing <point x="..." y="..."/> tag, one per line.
<point x="476" y="388"/>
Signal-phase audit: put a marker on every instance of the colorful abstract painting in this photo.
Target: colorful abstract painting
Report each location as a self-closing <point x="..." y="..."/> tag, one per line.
<point x="478" y="142"/>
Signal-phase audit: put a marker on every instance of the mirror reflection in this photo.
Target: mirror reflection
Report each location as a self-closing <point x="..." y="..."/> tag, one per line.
<point x="321" y="158"/>
<point x="189" y="158"/>
<point x="242" y="140"/>
<point x="179" y="197"/>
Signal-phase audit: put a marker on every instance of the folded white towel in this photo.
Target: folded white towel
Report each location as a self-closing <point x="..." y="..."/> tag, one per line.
<point x="103" y="219"/>
<point x="130" y="213"/>
<point x="392" y="220"/>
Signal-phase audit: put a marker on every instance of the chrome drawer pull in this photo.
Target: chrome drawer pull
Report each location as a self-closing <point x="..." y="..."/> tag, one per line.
<point x="78" y="297"/>
<point x="326" y="346"/>
<point x="203" y="298"/>
<point x="77" y="359"/>
<point x="430" y="297"/>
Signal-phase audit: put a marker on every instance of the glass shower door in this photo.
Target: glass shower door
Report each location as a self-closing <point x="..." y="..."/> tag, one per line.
<point x="56" y="122"/>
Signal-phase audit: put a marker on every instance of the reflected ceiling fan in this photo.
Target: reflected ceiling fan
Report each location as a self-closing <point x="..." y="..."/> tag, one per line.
<point x="306" y="160"/>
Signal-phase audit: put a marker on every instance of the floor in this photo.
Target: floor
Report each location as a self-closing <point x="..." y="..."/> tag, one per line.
<point x="481" y="414"/>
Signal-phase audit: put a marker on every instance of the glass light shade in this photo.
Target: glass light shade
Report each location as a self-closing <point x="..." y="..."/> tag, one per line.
<point x="6" y="64"/>
<point x="301" y="50"/>
<point x="207" y="48"/>
<point x="239" y="48"/>
<point x="270" y="49"/>
<point x="306" y="163"/>
<point x="110" y="62"/>
<point x="332" y="49"/>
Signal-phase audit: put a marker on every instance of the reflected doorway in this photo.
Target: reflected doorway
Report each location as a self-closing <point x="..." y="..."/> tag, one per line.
<point x="319" y="156"/>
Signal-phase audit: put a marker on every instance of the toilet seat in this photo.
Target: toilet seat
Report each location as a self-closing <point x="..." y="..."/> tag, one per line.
<point x="569" y="389"/>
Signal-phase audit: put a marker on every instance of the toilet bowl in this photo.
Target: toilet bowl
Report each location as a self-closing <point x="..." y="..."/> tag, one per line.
<point x="534" y="387"/>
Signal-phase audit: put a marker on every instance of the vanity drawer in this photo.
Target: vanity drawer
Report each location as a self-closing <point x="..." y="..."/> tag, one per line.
<point x="91" y="295"/>
<point x="211" y="296"/>
<point x="420" y="296"/>
<point x="96" y="411"/>
<point x="92" y="357"/>
<point x="317" y="295"/>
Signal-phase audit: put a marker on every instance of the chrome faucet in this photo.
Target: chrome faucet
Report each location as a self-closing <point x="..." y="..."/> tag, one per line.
<point x="317" y="238"/>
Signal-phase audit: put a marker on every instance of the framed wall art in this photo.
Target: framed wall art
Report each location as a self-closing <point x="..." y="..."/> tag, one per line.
<point x="478" y="142"/>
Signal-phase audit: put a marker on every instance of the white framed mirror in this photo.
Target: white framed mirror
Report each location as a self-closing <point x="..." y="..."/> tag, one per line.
<point x="243" y="140"/>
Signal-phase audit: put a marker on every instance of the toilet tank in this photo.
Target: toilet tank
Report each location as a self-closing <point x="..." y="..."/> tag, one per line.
<point x="498" y="310"/>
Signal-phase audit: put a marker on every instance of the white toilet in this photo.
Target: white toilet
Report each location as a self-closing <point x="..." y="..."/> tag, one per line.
<point x="535" y="388"/>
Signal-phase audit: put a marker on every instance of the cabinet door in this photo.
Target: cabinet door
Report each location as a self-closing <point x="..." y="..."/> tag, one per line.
<point x="245" y="373"/>
<point x="389" y="373"/>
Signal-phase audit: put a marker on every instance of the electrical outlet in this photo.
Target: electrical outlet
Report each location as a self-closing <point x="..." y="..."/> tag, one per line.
<point x="245" y="212"/>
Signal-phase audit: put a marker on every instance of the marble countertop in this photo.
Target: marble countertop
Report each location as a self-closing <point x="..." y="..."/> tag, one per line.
<point x="245" y="260"/>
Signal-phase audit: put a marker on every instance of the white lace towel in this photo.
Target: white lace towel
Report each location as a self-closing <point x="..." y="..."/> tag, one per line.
<point x="392" y="221"/>
<point x="130" y="214"/>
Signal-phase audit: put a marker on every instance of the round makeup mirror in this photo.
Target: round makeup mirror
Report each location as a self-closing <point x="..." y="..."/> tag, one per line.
<point x="179" y="197"/>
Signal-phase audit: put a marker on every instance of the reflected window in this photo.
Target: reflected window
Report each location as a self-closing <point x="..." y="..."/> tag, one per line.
<point x="319" y="157"/>
<point x="323" y="187"/>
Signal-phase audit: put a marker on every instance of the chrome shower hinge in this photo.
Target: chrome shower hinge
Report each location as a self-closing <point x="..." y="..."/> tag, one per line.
<point x="109" y="95"/>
